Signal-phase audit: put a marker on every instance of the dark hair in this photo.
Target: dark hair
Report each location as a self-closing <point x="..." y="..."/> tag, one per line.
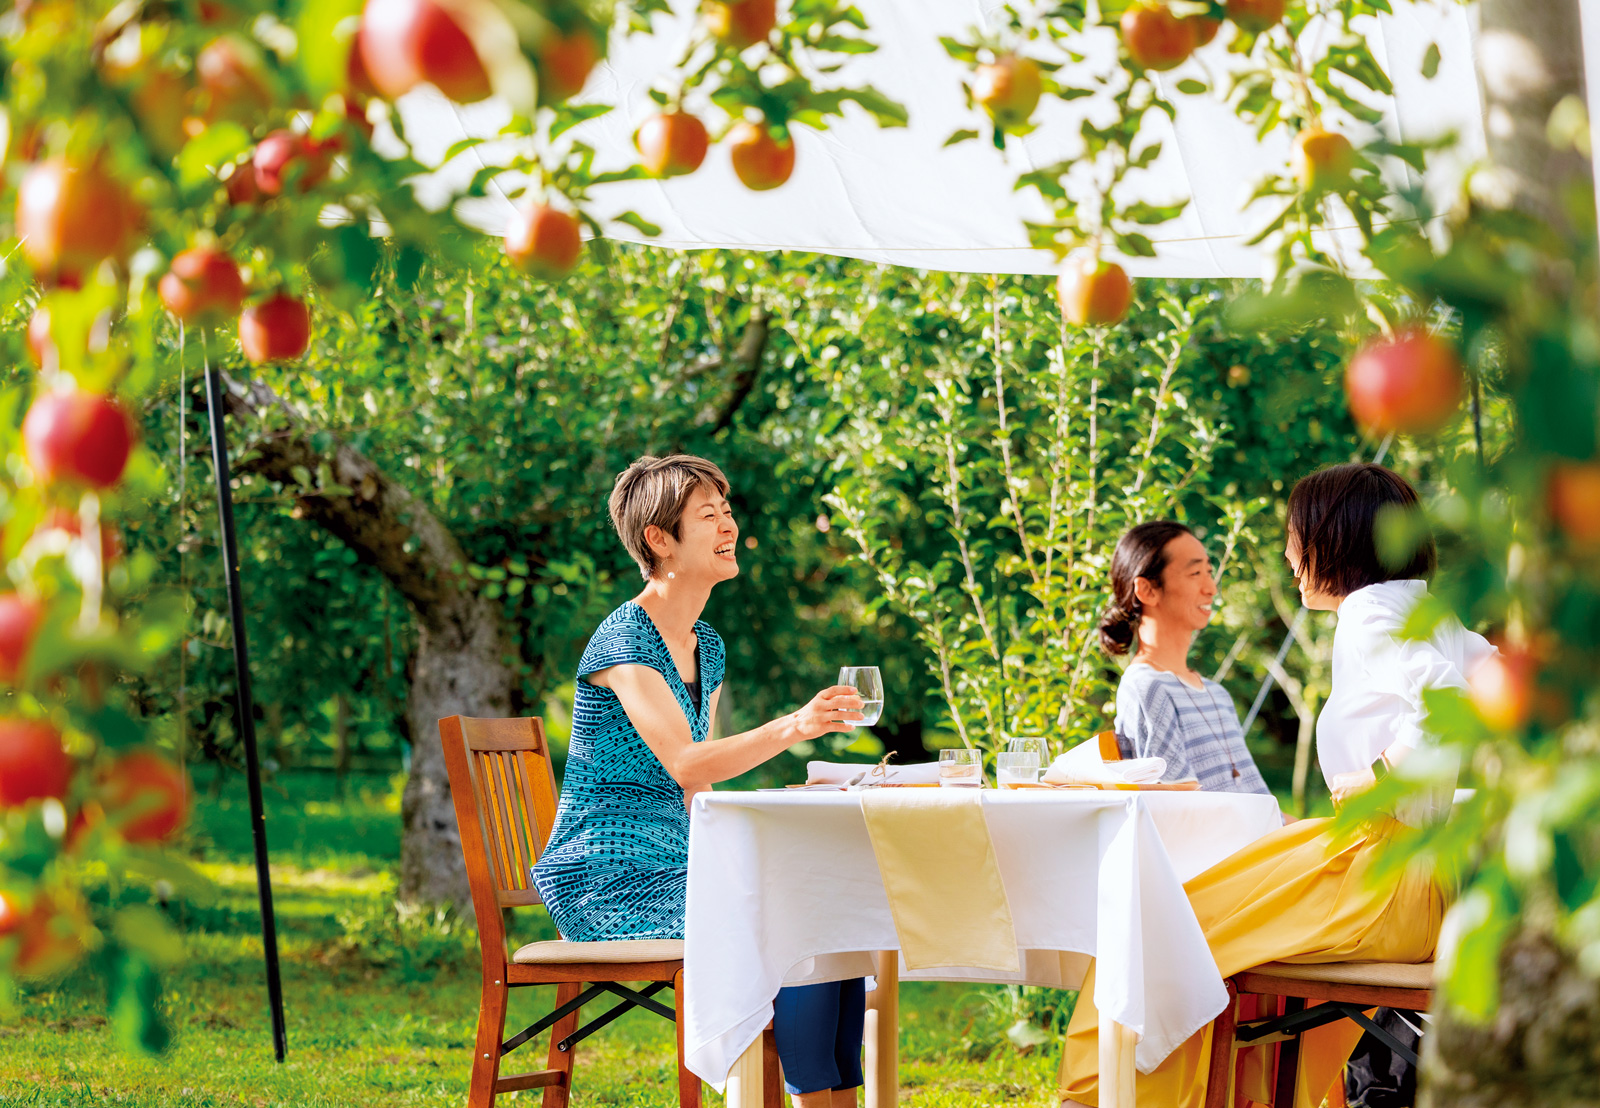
<point x="1142" y="552"/>
<point x="1333" y="515"/>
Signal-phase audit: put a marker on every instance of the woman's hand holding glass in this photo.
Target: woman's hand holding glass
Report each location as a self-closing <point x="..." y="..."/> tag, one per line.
<point x="835" y="708"/>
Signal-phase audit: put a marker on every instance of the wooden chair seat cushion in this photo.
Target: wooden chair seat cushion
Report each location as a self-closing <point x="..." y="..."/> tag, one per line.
<point x="1385" y="975"/>
<point x="559" y="952"/>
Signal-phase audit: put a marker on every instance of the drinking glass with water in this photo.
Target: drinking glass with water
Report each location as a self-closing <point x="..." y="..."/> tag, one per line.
<point x="1016" y="768"/>
<point x="867" y="681"/>
<point x="960" y="768"/>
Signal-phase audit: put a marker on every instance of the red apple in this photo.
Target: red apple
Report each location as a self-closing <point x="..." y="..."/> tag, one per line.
<point x="145" y="796"/>
<point x="1093" y="293"/>
<point x="741" y="23"/>
<point x="242" y="188"/>
<point x="277" y="329"/>
<point x="672" y="143"/>
<point x="19" y="623"/>
<point x="1255" y="16"/>
<point x="405" y="43"/>
<point x="33" y="763"/>
<point x="564" y="63"/>
<point x="71" y="216"/>
<point x="356" y="78"/>
<point x="234" y="79"/>
<point x="1008" y="89"/>
<point x="1322" y="160"/>
<point x="80" y="437"/>
<point x="761" y="161"/>
<point x="203" y="285"/>
<point x="543" y="242"/>
<point x="1574" y="499"/>
<point x="48" y="930"/>
<point x="1155" y="38"/>
<point x="283" y="157"/>
<point x="1205" y="29"/>
<point x="1503" y="687"/>
<point x="1410" y="383"/>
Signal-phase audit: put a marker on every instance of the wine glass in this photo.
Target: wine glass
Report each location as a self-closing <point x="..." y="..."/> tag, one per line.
<point x="960" y="768"/>
<point x="1034" y="744"/>
<point x="867" y="681"/>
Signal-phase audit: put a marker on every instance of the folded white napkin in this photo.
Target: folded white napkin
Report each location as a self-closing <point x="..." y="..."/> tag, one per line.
<point x="838" y="773"/>
<point x="1082" y="765"/>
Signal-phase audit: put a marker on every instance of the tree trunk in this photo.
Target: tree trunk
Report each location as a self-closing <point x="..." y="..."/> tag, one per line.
<point x="464" y="662"/>
<point x="1541" y="1049"/>
<point x="1530" y="57"/>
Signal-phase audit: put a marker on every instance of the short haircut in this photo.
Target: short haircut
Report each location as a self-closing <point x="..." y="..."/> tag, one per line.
<point x="654" y="492"/>
<point x="1333" y="515"/>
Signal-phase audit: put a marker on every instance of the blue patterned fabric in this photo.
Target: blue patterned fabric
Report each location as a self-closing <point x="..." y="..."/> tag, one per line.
<point x="617" y="864"/>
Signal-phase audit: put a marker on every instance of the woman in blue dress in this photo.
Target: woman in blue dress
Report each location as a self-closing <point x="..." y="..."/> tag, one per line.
<point x="616" y="865"/>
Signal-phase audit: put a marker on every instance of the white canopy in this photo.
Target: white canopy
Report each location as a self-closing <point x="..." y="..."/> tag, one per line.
<point x="900" y="196"/>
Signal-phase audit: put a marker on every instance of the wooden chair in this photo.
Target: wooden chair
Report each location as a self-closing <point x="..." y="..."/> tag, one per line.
<point x="504" y="789"/>
<point x="1109" y="750"/>
<point x="1342" y="990"/>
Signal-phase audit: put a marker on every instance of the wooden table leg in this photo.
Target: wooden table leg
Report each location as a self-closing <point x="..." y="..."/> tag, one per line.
<point x="1116" y="1064"/>
<point x="744" y="1079"/>
<point x="883" y="1034"/>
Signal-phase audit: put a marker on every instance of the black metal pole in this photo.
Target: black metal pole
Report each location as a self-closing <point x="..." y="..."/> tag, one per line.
<point x="246" y="706"/>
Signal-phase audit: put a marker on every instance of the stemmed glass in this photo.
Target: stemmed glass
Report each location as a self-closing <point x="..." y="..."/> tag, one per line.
<point x="867" y="681"/>
<point x="1034" y="744"/>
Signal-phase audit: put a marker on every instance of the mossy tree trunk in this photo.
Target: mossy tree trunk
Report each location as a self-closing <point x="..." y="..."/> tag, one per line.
<point x="464" y="662"/>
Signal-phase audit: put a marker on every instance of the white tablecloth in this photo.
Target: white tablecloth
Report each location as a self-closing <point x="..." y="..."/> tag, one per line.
<point x="784" y="890"/>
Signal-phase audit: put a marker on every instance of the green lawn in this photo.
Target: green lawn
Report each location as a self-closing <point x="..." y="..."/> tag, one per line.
<point x="382" y="1012"/>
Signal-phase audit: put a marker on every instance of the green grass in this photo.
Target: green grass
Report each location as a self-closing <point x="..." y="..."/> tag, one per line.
<point x="382" y="1012"/>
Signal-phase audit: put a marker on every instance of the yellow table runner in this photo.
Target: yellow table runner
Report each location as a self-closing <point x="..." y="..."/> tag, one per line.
<point x="938" y="866"/>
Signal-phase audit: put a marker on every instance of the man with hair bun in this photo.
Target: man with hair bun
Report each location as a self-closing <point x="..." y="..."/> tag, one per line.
<point x="1162" y="596"/>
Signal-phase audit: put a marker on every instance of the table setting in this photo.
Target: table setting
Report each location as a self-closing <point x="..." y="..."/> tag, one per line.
<point x="924" y="872"/>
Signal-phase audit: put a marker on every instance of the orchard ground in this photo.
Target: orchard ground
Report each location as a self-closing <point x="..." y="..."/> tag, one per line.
<point x="382" y="1011"/>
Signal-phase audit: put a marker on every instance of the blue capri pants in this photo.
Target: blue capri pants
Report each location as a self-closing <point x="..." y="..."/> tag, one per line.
<point x="818" y="1029"/>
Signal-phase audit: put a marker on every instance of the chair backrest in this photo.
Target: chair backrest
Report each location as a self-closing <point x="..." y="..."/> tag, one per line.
<point x="504" y="789"/>
<point x="1109" y="750"/>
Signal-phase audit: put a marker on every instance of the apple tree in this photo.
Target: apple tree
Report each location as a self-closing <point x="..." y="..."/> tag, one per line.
<point x="195" y="185"/>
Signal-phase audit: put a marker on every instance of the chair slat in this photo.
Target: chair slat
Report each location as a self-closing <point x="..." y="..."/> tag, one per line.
<point x="495" y="824"/>
<point x="517" y="822"/>
<point x="527" y="827"/>
<point x="511" y="827"/>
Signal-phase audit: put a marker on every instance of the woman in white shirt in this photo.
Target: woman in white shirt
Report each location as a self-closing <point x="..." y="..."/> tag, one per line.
<point x="1300" y="894"/>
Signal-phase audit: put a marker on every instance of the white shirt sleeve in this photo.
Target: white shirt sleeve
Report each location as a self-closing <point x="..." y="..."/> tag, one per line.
<point x="1408" y="667"/>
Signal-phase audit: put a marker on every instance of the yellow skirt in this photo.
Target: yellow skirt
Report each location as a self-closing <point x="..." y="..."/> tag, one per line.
<point x="1296" y="895"/>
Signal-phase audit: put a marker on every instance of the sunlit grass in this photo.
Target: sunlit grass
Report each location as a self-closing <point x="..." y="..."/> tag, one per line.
<point x="383" y="1017"/>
